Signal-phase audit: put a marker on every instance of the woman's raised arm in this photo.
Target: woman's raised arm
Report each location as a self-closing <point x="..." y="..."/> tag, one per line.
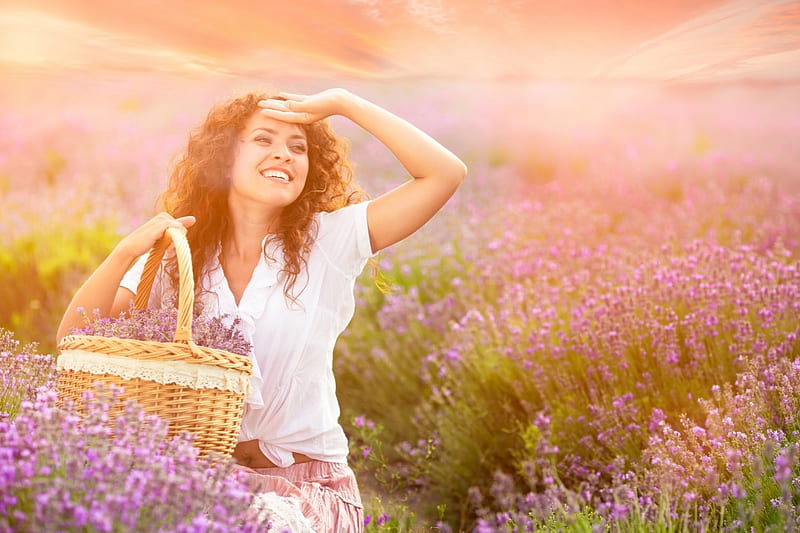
<point x="436" y="171"/>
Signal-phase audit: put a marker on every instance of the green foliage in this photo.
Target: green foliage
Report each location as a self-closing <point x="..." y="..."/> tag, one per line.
<point x="40" y="271"/>
<point x="770" y="499"/>
<point x="475" y="415"/>
<point x="581" y="522"/>
<point x="386" y="517"/>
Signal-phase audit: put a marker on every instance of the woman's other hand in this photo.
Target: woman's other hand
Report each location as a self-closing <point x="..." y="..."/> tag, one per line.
<point x="143" y="238"/>
<point x="305" y="109"/>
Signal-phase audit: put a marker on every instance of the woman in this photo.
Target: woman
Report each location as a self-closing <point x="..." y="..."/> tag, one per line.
<point x="278" y="238"/>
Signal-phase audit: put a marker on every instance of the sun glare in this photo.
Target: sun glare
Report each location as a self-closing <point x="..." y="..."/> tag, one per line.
<point x="26" y="37"/>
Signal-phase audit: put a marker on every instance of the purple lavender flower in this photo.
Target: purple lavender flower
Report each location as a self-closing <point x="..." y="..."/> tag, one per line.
<point x="159" y="325"/>
<point x="23" y="372"/>
<point x="67" y="473"/>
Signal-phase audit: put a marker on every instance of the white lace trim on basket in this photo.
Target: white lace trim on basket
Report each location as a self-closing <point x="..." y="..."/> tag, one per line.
<point x="194" y="376"/>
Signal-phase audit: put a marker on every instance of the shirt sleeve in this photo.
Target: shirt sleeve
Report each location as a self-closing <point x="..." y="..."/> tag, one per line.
<point x="131" y="278"/>
<point x="158" y="296"/>
<point x="344" y="238"/>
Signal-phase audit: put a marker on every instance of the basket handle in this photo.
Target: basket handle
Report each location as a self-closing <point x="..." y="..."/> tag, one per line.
<point x="183" y="331"/>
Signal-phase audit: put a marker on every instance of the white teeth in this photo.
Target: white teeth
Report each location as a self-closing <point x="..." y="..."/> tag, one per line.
<point x="276" y="174"/>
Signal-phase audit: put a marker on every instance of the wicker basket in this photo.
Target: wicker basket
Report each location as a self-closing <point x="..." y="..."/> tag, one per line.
<point x="196" y="389"/>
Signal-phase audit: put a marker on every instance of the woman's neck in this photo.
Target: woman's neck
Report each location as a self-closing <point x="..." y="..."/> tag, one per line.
<point x="245" y="238"/>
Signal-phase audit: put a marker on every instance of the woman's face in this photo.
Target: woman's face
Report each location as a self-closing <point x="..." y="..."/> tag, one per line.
<point x="270" y="163"/>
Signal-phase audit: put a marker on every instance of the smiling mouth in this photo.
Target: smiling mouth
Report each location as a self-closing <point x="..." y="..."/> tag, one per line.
<point x="277" y="175"/>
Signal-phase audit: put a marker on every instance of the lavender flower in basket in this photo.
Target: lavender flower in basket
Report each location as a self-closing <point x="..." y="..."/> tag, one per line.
<point x="159" y="325"/>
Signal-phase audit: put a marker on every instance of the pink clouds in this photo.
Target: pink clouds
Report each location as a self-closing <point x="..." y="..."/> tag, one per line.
<point x="396" y="38"/>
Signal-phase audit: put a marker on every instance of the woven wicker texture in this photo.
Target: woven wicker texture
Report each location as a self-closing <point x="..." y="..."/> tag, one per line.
<point x="212" y="415"/>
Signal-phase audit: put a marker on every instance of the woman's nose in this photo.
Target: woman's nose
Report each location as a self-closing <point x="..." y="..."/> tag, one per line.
<point x="283" y="153"/>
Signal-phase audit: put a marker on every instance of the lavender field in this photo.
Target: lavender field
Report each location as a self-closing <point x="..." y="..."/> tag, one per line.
<point x="599" y="332"/>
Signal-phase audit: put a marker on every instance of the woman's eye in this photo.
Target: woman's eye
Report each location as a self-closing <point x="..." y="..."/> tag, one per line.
<point x="299" y="148"/>
<point x="263" y="140"/>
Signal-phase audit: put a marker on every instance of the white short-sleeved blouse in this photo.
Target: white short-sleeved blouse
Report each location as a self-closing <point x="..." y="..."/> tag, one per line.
<point x="293" y="405"/>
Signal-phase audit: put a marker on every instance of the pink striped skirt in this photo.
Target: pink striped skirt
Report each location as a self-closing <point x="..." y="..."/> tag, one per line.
<point x="327" y="493"/>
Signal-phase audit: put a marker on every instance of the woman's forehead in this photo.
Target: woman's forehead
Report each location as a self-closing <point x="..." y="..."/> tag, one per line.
<point x="259" y="121"/>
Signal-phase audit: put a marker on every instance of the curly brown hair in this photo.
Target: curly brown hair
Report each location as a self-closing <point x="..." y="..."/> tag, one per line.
<point x="200" y="182"/>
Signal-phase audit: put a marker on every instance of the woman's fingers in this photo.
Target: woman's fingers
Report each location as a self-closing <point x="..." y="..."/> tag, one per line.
<point x="287" y="116"/>
<point x="278" y="107"/>
<point x="299" y="108"/>
<point x="187" y="221"/>
<point x="180" y="223"/>
<point x="274" y="104"/>
<point x="140" y="240"/>
<point x="292" y="96"/>
<point x="162" y="221"/>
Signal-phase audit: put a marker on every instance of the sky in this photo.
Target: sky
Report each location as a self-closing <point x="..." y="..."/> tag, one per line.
<point x="693" y="40"/>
